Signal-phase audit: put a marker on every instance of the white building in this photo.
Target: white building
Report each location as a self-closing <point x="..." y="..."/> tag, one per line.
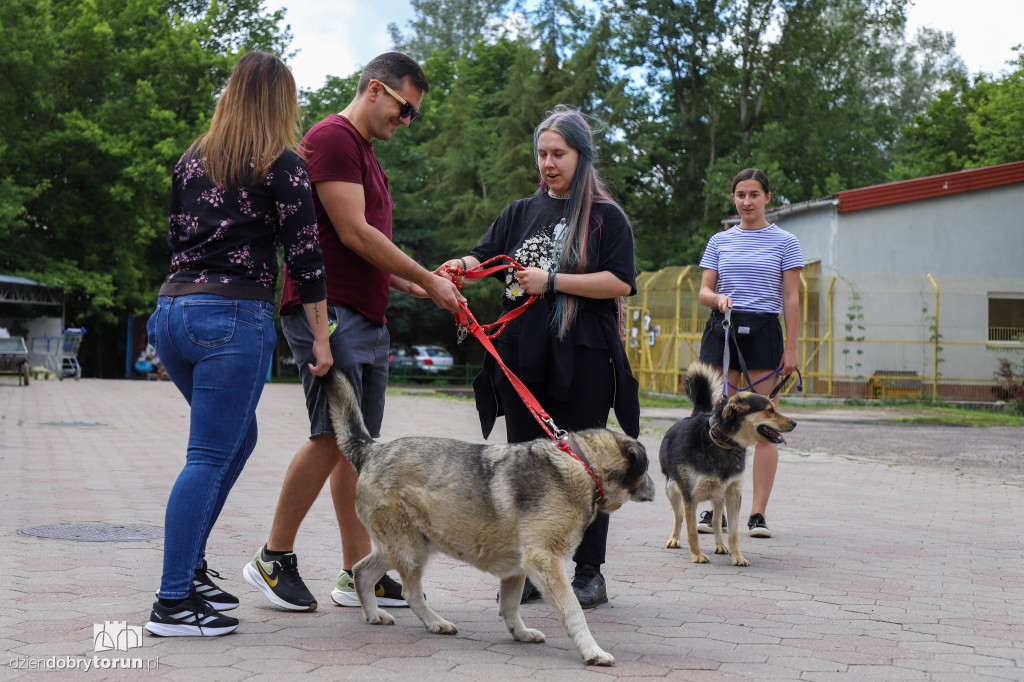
<point x="922" y="278"/>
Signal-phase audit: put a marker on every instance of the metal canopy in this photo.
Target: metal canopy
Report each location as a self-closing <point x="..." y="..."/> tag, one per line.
<point x="21" y="290"/>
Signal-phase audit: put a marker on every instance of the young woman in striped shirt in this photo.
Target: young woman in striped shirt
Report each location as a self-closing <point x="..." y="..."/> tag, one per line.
<point x="753" y="268"/>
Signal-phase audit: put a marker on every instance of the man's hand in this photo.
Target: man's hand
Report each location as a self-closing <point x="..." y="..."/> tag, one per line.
<point x="443" y="292"/>
<point x="324" y="359"/>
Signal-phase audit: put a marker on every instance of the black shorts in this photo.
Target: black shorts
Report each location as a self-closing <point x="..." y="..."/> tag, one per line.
<point x="759" y="336"/>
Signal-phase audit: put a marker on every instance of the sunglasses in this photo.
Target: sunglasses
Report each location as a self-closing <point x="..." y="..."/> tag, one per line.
<point x="407" y="110"/>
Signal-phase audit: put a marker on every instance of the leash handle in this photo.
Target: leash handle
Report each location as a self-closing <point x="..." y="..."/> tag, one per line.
<point x="479" y="272"/>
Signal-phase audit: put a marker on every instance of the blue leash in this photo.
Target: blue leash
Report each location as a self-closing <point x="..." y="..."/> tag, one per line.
<point x="727" y="326"/>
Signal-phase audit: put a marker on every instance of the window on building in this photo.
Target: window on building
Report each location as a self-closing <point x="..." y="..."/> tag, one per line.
<point x="1005" y="317"/>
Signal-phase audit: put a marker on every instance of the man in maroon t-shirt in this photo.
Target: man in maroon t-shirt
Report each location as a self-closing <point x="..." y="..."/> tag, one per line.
<point x="353" y="210"/>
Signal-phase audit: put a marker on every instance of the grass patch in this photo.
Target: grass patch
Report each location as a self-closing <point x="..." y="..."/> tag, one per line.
<point x="655" y="400"/>
<point x="959" y="416"/>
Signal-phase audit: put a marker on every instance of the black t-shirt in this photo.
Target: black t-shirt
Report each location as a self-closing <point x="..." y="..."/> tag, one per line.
<point x="527" y="231"/>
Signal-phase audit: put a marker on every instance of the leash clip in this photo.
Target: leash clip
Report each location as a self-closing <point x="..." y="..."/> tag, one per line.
<point x="559" y="434"/>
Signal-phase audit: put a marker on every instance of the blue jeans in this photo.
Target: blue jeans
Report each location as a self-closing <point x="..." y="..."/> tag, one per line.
<point x="217" y="351"/>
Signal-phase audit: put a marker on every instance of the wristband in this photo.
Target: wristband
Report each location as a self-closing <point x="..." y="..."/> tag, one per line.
<point x="464" y="268"/>
<point x="551" y="282"/>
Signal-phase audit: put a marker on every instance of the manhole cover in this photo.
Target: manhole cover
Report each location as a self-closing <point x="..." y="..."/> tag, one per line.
<point x="94" y="532"/>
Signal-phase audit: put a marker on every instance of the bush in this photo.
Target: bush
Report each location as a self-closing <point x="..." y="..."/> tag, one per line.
<point x="1010" y="376"/>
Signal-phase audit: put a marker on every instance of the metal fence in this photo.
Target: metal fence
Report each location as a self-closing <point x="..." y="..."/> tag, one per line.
<point x="866" y="335"/>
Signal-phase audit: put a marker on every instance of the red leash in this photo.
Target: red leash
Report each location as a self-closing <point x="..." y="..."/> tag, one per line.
<point x="468" y="324"/>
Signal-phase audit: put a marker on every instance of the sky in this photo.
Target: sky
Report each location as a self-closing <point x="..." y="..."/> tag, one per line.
<point x="338" y="37"/>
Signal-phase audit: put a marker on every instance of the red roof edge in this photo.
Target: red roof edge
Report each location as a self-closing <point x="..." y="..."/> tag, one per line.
<point x="930" y="187"/>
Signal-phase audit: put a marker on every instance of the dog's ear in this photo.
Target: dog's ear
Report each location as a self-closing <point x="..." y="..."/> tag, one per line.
<point x="735" y="408"/>
<point x="636" y="456"/>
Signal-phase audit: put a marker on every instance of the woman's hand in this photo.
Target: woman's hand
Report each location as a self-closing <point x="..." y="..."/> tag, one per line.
<point x="724" y="303"/>
<point x="533" y="280"/>
<point x="452" y="270"/>
<point x="789" y="362"/>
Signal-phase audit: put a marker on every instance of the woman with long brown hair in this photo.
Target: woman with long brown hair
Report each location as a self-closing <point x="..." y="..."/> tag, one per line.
<point x="238" y="193"/>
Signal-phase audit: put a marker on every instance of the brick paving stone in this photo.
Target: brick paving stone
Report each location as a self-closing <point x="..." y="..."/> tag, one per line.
<point x="898" y="594"/>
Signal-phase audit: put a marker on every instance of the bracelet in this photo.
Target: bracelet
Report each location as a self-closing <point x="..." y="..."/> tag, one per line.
<point x="551" y="281"/>
<point x="464" y="268"/>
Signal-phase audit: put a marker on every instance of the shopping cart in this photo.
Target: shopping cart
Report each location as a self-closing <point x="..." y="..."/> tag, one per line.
<point x="14" y="358"/>
<point x="70" y="342"/>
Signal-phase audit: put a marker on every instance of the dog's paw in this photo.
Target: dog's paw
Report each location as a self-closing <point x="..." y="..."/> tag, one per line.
<point x="701" y="558"/>
<point x="528" y="635"/>
<point x="673" y="543"/>
<point x="381" y="618"/>
<point x="738" y="560"/>
<point x="721" y="549"/>
<point x="597" y="656"/>
<point x="443" y="627"/>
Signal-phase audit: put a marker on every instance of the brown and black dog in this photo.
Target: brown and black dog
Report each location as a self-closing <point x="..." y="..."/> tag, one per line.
<point x="703" y="456"/>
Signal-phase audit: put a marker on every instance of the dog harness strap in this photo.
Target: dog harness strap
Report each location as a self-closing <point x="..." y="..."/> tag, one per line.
<point x="466" y="320"/>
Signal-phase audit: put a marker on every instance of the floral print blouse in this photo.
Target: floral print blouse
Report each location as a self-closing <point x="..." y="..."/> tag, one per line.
<point x="225" y="242"/>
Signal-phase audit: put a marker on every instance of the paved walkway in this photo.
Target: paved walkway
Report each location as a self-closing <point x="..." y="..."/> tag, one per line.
<point x="875" y="571"/>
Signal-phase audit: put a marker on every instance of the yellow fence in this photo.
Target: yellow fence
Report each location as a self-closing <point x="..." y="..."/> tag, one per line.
<point x="867" y="335"/>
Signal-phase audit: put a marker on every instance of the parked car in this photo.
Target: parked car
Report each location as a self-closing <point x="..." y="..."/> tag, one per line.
<point x="432" y="359"/>
<point x="400" y="359"/>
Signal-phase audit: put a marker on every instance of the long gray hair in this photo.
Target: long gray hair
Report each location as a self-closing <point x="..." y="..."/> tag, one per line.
<point x="587" y="189"/>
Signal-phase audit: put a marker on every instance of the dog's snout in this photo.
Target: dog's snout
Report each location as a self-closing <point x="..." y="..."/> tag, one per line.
<point x="645" y="492"/>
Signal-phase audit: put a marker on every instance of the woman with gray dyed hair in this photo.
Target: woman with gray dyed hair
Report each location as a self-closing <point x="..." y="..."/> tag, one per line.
<point x="576" y="245"/>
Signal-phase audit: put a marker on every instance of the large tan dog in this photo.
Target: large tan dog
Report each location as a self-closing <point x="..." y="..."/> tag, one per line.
<point x="513" y="510"/>
<point x="704" y="455"/>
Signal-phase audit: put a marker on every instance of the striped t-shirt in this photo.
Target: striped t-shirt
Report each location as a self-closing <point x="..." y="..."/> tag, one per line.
<point x="750" y="265"/>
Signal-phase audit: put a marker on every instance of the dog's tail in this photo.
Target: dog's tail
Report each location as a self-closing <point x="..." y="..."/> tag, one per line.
<point x="346" y="417"/>
<point x="703" y="386"/>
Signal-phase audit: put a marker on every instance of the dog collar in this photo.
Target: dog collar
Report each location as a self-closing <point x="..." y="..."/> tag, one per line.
<point x="728" y="443"/>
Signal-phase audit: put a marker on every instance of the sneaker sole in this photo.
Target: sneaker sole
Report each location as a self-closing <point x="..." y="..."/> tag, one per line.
<point x="256" y="580"/>
<point x="706" y="529"/>
<point x="352" y="599"/>
<point x="169" y="630"/>
<point x="760" y="533"/>
<point x="594" y="604"/>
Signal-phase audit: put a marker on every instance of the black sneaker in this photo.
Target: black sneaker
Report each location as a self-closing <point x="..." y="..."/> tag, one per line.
<point x="193" y="617"/>
<point x="757" y="527"/>
<point x="279" y="580"/>
<point x="704" y="525"/>
<point x="530" y="592"/>
<point x="205" y="588"/>
<point x="589" y="587"/>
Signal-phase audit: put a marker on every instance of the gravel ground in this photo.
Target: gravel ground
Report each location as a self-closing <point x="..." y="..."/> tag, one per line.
<point x="996" y="452"/>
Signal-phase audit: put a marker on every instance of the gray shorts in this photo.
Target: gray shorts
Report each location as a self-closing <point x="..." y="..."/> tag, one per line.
<point x="360" y="349"/>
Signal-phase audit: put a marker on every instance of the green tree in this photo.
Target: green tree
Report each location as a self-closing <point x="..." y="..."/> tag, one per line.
<point x="438" y="25"/>
<point x="810" y="90"/>
<point x="969" y="125"/>
<point x="99" y="100"/>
